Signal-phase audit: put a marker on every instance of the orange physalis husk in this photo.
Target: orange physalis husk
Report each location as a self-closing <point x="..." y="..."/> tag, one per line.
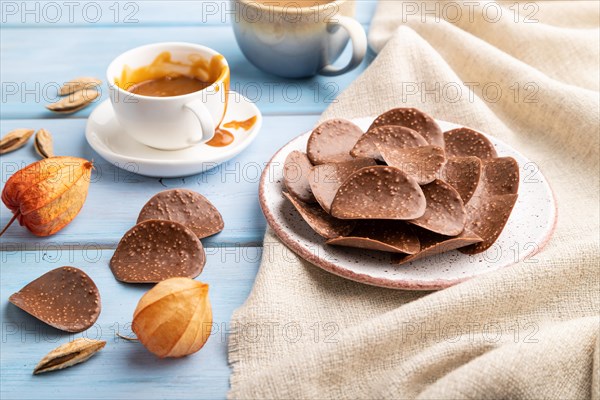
<point x="174" y="318"/>
<point x="46" y="195"/>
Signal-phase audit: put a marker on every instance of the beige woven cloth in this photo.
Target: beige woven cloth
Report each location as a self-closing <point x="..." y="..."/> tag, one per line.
<point x="529" y="331"/>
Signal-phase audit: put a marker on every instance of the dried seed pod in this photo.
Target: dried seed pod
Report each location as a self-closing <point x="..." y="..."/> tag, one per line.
<point x="174" y="318"/>
<point x="69" y="354"/>
<point x="14" y="140"/>
<point x="43" y="144"/>
<point x="74" y="101"/>
<point x="77" y="84"/>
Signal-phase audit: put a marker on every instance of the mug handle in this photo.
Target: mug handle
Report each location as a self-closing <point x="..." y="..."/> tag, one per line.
<point x="359" y="44"/>
<point x="206" y="122"/>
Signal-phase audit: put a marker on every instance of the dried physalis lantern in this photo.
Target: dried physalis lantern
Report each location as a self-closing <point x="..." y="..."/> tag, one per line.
<point x="47" y="195"/>
<point x="174" y="318"/>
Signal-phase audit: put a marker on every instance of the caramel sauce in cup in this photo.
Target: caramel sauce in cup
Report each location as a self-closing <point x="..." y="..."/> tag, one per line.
<point x="164" y="69"/>
<point x="169" y="86"/>
<point x="181" y="85"/>
<point x="165" y="77"/>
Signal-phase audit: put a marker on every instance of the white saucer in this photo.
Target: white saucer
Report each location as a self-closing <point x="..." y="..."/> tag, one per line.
<point x="108" y="139"/>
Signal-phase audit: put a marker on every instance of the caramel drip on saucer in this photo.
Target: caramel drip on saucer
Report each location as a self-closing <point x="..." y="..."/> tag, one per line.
<point x="245" y="125"/>
<point x="222" y="138"/>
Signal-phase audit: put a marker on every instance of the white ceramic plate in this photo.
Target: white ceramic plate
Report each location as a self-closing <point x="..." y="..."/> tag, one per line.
<point x="530" y="226"/>
<point x="108" y="139"/>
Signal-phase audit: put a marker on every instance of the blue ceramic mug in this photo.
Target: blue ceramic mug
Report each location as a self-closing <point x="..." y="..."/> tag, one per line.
<point x="298" y="38"/>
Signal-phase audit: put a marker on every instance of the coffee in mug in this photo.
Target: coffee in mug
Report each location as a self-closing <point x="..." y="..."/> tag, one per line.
<point x="298" y="38"/>
<point x="296" y="3"/>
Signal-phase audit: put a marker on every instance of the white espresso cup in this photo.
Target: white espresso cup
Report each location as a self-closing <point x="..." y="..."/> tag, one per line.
<point x="298" y="38"/>
<point x="175" y="122"/>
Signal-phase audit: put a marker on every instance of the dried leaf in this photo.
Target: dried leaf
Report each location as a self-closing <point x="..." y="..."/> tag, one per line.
<point x="174" y="318"/>
<point x="74" y="101"/>
<point x="46" y="195"/>
<point x="69" y="354"/>
<point x="43" y="144"/>
<point x="77" y="84"/>
<point x="14" y="140"/>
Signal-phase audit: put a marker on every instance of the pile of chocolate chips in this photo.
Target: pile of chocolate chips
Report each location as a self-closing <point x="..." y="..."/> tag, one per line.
<point x="165" y="243"/>
<point x="404" y="186"/>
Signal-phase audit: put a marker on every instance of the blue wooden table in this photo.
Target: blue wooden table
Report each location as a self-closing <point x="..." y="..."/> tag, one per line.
<point x="44" y="44"/>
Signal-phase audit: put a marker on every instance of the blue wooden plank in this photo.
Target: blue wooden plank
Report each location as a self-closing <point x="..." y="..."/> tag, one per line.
<point x="94" y="14"/>
<point x="122" y="369"/>
<point x="116" y="196"/>
<point x="30" y="78"/>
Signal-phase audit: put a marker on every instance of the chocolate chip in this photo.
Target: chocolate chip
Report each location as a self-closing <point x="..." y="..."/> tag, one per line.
<point x="463" y="174"/>
<point x="321" y="222"/>
<point x="186" y="207"/>
<point x="487" y="217"/>
<point x="414" y="119"/>
<point x="491" y="205"/>
<point x="155" y="250"/>
<point x="326" y="179"/>
<point x="65" y="298"/>
<point x="381" y="235"/>
<point x="296" y="168"/>
<point x="389" y="136"/>
<point x="445" y="212"/>
<point x="464" y="142"/>
<point x="379" y="192"/>
<point x="500" y="176"/>
<point x="332" y="141"/>
<point x="433" y="244"/>
<point x="422" y="163"/>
